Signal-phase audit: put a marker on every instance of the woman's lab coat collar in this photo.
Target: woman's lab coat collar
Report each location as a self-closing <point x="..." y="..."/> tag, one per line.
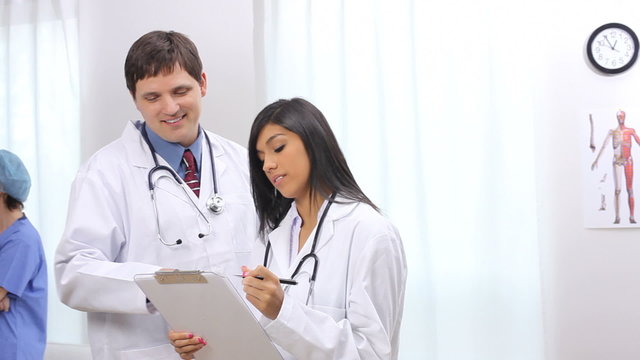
<point x="279" y="237"/>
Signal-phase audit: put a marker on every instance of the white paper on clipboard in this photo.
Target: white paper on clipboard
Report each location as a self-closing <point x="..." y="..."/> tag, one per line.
<point x="208" y="305"/>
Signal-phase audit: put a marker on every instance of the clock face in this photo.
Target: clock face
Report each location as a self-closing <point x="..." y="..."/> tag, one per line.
<point x="612" y="48"/>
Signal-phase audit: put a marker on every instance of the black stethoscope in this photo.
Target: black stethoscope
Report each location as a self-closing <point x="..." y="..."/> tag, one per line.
<point x="311" y="255"/>
<point x="215" y="203"/>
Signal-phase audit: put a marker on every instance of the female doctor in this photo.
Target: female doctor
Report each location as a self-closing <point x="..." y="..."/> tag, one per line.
<point x="314" y="218"/>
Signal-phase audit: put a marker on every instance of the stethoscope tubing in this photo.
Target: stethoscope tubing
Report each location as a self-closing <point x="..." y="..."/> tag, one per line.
<point x="312" y="253"/>
<point x="216" y="199"/>
<point x="161" y="168"/>
<point x="157" y="166"/>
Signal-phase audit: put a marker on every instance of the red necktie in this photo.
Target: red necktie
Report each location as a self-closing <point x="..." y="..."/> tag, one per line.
<point x="191" y="175"/>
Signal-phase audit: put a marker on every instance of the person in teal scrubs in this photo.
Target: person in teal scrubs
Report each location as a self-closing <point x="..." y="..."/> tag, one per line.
<point x="23" y="269"/>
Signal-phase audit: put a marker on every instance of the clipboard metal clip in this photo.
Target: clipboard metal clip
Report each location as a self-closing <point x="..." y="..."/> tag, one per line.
<point x="180" y="277"/>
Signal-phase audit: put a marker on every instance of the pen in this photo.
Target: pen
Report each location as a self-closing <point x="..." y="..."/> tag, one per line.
<point x="282" y="281"/>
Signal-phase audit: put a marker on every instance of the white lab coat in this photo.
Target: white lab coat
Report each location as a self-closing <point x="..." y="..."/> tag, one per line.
<point x="356" y="306"/>
<point x="111" y="235"/>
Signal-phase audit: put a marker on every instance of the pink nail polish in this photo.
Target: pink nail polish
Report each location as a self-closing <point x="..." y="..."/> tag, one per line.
<point x="190" y="336"/>
<point x="201" y="341"/>
<point x="244" y="274"/>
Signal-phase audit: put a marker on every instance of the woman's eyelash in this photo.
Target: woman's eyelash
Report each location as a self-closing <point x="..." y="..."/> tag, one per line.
<point x="279" y="148"/>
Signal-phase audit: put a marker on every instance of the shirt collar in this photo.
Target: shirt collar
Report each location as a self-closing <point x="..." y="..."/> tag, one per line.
<point x="172" y="152"/>
<point x="294" y="210"/>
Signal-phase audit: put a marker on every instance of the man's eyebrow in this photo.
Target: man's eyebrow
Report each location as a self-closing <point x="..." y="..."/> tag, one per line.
<point x="149" y="93"/>
<point x="183" y="86"/>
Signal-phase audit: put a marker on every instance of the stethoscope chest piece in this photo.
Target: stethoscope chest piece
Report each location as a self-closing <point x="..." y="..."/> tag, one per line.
<point x="215" y="204"/>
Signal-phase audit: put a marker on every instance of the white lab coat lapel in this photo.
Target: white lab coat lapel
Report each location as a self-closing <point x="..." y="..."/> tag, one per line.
<point x="177" y="190"/>
<point x="336" y="212"/>
<point x="280" y="237"/>
<point x="139" y="152"/>
<point x="141" y="157"/>
<point x="280" y="241"/>
<point x="137" y="149"/>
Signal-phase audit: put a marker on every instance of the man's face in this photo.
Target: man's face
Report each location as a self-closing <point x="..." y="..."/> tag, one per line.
<point x="621" y="115"/>
<point x="170" y="105"/>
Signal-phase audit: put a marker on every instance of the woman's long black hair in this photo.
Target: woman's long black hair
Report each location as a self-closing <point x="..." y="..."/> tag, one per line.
<point x="329" y="170"/>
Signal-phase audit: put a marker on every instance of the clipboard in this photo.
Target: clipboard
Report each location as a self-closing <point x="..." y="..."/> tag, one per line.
<point x="208" y="305"/>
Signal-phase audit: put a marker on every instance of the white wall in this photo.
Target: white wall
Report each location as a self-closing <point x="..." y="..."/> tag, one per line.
<point x="223" y="32"/>
<point x="591" y="287"/>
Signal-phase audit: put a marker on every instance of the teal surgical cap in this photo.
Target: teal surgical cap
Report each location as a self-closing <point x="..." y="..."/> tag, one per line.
<point x="14" y="178"/>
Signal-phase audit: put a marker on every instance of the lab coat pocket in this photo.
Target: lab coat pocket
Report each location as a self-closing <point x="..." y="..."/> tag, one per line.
<point x="243" y="258"/>
<point x="242" y="220"/>
<point x="162" y="352"/>
<point x="336" y="313"/>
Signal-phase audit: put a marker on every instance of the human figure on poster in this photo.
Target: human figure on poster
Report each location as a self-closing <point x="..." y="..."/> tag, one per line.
<point x="592" y="144"/>
<point x="603" y="203"/>
<point x="622" y="162"/>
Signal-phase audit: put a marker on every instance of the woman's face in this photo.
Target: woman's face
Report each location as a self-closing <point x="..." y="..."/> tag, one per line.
<point x="285" y="160"/>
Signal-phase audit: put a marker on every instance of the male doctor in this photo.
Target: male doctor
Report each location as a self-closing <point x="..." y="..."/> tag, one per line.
<point x="115" y="230"/>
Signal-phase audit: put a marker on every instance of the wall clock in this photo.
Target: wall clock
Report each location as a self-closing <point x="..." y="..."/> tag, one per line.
<point x="612" y="48"/>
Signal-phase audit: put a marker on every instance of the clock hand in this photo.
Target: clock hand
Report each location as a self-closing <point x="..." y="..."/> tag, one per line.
<point x="606" y="38"/>
<point x="614" y="46"/>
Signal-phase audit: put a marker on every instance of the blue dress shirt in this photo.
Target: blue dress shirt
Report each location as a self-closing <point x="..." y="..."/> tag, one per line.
<point x="172" y="152"/>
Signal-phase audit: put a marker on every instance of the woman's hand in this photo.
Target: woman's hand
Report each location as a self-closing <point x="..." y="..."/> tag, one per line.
<point x="186" y="344"/>
<point x="267" y="294"/>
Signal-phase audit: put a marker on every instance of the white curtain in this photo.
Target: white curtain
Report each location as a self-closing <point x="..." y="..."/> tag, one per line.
<point x="40" y="123"/>
<point x="431" y="102"/>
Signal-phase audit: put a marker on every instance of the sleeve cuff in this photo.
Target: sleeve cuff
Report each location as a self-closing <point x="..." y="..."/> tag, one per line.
<point x="272" y="326"/>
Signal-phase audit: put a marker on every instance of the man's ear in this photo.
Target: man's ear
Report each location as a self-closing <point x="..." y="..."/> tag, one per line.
<point x="203" y="84"/>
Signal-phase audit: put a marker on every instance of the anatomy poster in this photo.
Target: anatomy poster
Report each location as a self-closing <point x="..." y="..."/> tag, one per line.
<point x="610" y="147"/>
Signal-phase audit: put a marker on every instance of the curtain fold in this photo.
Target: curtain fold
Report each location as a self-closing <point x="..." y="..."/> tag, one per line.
<point x="40" y="122"/>
<point x="431" y="103"/>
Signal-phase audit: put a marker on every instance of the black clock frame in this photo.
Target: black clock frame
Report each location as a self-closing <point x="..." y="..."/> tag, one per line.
<point x="634" y="57"/>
